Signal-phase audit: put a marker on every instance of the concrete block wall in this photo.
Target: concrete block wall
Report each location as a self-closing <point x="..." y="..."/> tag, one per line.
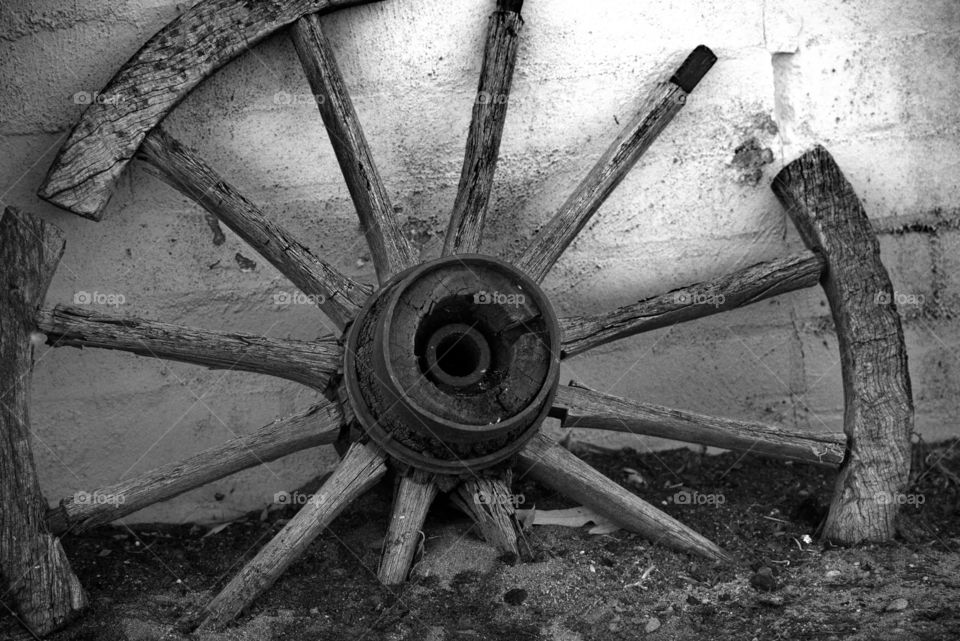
<point x="876" y="81"/>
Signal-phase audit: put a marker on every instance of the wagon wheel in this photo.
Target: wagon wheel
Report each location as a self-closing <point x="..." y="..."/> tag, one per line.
<point x="448" y="370"/>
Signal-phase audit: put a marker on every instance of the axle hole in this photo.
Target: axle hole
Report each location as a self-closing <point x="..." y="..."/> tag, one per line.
<point x="457" y="355"/>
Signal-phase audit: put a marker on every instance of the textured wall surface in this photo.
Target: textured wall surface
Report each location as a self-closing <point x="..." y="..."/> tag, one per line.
<point x="876" y="81"/>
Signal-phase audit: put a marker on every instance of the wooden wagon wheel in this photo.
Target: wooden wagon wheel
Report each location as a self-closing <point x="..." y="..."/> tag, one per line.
<point x="447" y="371"/>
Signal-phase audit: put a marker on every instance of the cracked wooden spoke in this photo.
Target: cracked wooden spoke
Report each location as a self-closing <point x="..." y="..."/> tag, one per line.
<point x="174" y="61"/>
<point x="489" y="501"/>
<point x="661" y="105"/>
<point x="414" y="495"/>
<point x="389" y="247"/>
<point x="319" y="425"/>
<point x="337" y="295"/>
<point x="486" y="128"/>
<point x="583" y="407"/>
<point x="744" y="287"/>
<point x="361" y="467"/>
<point x="551" y="464"/>
<point x="311" y="363"/>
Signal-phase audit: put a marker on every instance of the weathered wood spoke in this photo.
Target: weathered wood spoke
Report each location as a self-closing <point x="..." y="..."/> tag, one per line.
<point x="551" y="464"/>
<point x="311" y="363"/>
<point x="582" y="407"/>
<point x="35" y="576"/>
<point x="878" y="405"/>
<point x="744" y="287"/>
<point x="337" y="295"/>
<point x="486" y="128"/>
<point x="489" y="501"/>
<point x="320" y="425"/>
<point x="360" y="469"/>
<point x="661" y="105"/>
<point x="389" y="247"/>
<point x="151" y="83"/>
<point x="415" y="493"/>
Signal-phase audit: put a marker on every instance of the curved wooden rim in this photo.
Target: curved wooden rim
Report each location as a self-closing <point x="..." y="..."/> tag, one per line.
<point x="185" y="52"/>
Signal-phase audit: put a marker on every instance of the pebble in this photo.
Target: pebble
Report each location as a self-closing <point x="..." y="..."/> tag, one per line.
<point x="897" y="605"/>
<point x="764" y="580"/>
<point x="771" y="600"/>
<point x="652" y="625"/>
<point x="515" y="596"/>
<point x="832" y="574"/>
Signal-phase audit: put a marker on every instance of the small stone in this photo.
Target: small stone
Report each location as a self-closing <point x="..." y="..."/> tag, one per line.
<point x="515" y="596"/>
<point x="897" y="605"/>
<point x="771" y="600"/>
<point x="764" y="580"/>
<point x="833" y="574"/>
<point x="652" y="625"/>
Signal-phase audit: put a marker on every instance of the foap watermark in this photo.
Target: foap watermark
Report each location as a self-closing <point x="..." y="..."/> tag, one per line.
<point x="488" y="498"/>
<point x="285" y="99"/>
<point x="295" y="498"/>
<point x="483" y="297"/>
<point x="98" y="298"/>
<point x="695" y="297"/>
<point x="97" y="98"/>
<point x="899" y="498"/>
<point x="99" y="498"/>
<point x="900" y="299"/>
<point x="298" y="298"/>
<point x="692" y="497"/>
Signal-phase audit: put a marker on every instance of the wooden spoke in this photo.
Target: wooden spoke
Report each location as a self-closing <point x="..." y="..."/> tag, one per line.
<point x="415" y="493"/>
<point x="661" y="105"/>
<point x="744" y="287"/>
<point x="582" y="407"/>
<point x="389" y="247"/>
<point x="551" y="464"/>
<point x="320" y="425"/>
<point x="311" y="363"/>
<point x="489" y="502"/>
<point x="151" y="83"/>
<point x="878" y="405"/>
<point x="359" y="470"/>
<point x="35" y="575"/>
<point x="486" y="128"/>
<point x="338" y="296"/>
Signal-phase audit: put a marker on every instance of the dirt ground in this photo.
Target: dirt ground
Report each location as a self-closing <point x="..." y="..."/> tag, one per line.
<point x="578" y="586"/>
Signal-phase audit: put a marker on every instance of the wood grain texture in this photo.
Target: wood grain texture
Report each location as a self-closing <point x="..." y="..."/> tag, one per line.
<point x="415" y="493"/>
<point x="663" y="102"/>
<point x="587" y="408"/>
<point x="359" y="470"/>
<point x="389" y="247"/>
<point x="35" y="575"/>
<point x="319" y="425"/>
<point x="486" y="129"/>
<point x="878" y="405"/>
<point x="489" y="501"/>
<point x="157" y="77"/>
<point x="743" y="287"/>
<point x="337" y="295"/>
<point x="311" y="363"/>
<point x="552" y="465"/>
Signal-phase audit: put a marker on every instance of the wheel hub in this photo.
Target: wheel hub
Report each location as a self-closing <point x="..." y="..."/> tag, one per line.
<point x="453" y="364"/>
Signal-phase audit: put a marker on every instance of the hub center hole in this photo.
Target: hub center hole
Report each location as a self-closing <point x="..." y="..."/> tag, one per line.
<point x="457" y="355"/>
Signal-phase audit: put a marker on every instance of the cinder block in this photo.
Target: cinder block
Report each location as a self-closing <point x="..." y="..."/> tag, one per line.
<point x="860" y="84"/>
